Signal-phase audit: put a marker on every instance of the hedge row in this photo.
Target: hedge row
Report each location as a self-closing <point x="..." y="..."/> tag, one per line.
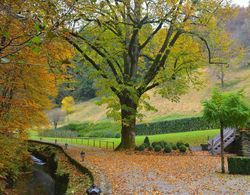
<point x="172" y="126"/>
<point x="239" y="165"/>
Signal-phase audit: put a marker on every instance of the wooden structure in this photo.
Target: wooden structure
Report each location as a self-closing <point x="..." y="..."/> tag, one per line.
<point x="214" y="144"/>
<point x="237" y="142"/>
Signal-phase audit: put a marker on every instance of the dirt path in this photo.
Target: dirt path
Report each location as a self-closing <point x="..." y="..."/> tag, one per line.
<point x="136" y="173"/>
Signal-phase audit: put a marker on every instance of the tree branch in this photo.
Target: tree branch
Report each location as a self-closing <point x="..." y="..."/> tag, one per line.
<point x="207" y="47"/>
<point x="103" y="55"/>
<point x="151" y="36"/>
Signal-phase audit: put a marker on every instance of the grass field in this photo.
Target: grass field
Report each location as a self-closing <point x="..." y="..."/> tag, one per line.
<point x="194" y="138"/>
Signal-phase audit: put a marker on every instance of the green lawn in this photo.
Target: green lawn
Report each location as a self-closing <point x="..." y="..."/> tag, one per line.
<point x="194" y="138"/>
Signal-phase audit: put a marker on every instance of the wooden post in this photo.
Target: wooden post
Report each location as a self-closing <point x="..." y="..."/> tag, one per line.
<point x="212" y="151"/>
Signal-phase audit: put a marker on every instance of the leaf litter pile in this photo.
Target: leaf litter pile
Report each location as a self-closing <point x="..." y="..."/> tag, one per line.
<point x="151" y="173"/>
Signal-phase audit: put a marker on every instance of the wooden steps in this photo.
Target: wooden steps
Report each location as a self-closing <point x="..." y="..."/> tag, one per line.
<point x="214" y="145"/>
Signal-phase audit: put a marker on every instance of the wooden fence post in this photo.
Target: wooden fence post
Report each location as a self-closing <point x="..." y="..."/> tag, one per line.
<point x="212" y="151"/>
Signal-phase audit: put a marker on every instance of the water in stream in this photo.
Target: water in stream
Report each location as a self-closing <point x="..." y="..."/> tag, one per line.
<point x="39" y="182"/>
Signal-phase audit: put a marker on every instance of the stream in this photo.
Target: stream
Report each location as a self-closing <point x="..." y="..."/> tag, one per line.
<point x="39" y="182"/>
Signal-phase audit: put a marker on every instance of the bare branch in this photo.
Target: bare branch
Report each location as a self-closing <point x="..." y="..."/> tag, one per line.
<point x="207" y="47"/>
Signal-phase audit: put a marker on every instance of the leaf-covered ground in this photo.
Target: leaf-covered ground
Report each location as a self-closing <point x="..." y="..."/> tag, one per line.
<point x="78" y="182"/>
<point x="140" y="173"/>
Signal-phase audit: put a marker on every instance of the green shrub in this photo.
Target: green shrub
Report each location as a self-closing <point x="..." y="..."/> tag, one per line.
<point x="182" y="148"/>
<point x="154" y="144"/>
<point x="167" y="149"/>
<point x="73" y="126"/>
<point x="248" y="125"/>
<point x="187" y="145"/>
<point x="106" y="134"/>
<point x="150" y="148"/>
<point x="145" y="145"/>
<point x="163" y="143"/>
<point x="117" y="135"/>
<point x="146" y="141"/>
<point x="136" y="148"/>
<point x="174" y="147"/>
<point x="178" y="144"/>
<point x="172" y="126"/>
<point x="157" y="148"/>
<point x="141" y="147"/>
<point x="239" y="165"/>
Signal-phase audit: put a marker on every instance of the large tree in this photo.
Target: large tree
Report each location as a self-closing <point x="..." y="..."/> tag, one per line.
<point x="138" y="45"/>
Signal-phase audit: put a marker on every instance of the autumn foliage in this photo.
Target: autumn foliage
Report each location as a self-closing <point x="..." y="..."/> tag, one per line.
<point x="32" y="63"/>
<point x="26" y="88"/>
<point x="68" y="104"/>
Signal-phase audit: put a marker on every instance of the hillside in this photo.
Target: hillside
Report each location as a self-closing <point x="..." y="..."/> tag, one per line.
<point x="189" y="104"/>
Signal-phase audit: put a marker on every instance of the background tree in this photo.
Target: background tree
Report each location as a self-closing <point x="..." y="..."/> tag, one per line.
<point x="80" y="85"/>
<point x="55" y="116"/>
<point x="68" y="104"/>
<point x="239" y="28"/>
<point x="229" y="110"/>
<point x="220" y="46"/>
<point x="138" y="45"/>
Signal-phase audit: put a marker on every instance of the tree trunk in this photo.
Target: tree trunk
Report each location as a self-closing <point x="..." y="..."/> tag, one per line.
<point x="222" y="149"/>
<point x="128" y="122"/>
<point x="222" y="77"/>
<point x="55" y="125"/>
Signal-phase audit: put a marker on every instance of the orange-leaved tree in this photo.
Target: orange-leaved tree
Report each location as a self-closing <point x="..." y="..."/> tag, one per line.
<point x="31" y="65"/>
